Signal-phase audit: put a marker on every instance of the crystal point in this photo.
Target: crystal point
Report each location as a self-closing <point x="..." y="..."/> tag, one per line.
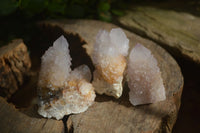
<point x="144" y="77"/>
<point x="109" y="59"/>
<point x="55" y="64"/>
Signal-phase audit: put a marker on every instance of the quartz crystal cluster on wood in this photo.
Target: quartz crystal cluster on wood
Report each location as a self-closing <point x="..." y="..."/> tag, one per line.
<point x="144" y="77"/>
<point x="108" y="56"/>
<point x="159" y="117"/>
<point x="62" y="91"/>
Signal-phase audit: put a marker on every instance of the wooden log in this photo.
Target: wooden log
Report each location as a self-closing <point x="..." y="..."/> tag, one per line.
<point x="107" y="114"/>
<point x="13" y="121"/>
<point x="176" y="31"/>
<point x="118" y="115"/>
<point x="14" y="65"/>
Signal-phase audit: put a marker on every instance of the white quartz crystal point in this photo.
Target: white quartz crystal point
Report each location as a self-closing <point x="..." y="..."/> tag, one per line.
<point x="109" y="52"/>
<point x="62" y="91"/>
<point x="56" y="62"/>
<point x="144" y="77"/>
<point x="112" y="44"/>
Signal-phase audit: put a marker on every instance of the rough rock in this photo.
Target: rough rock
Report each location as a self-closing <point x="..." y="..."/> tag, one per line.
<point x="14" y="65"/>
<point x="110" y="115"/>
<point x="176" y="31"/>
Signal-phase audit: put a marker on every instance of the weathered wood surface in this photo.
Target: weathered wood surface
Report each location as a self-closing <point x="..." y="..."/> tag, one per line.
<point x="107" y="114"/>
<point x="14" y="65"/>
<point x="177" y="31"/>
<point x="117" y="116"/>
<point x="14" y="121"/>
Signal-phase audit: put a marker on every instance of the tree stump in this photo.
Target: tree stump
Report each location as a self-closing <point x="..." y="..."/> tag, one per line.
<point x="118" y="115"/>
<point x="107" y="114"/>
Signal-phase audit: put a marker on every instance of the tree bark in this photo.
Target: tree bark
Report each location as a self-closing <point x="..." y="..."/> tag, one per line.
<point x="14" y="65"/>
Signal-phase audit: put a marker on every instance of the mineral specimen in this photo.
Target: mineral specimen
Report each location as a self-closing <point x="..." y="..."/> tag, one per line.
<point x="144" y="77"/>
<point x="108" y="56"/>
<point x="62" y="91"/>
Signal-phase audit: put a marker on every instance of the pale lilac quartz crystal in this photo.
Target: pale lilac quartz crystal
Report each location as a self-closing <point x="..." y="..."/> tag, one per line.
<point x="108" y="56"/>
<point x="144" y="77"/>
<point x="62" y="91"/>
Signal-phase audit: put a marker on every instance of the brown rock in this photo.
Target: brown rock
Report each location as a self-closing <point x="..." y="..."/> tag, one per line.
<point x="117" y="116"/>
<point x="178" y="32"/>
<point x="13" y="121"/>
<point x="14" y="64"/>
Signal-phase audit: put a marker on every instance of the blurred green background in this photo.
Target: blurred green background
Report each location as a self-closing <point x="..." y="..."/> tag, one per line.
<point x="17" y="17"/>
<point x="98" y="9"/>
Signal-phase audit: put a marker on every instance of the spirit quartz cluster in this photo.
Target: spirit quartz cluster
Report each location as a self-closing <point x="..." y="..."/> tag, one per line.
<point x="62" y="91"/>
<point x="108" y="56"/>
<point x="143" y="74"/>
<point x="144" y="77"/>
